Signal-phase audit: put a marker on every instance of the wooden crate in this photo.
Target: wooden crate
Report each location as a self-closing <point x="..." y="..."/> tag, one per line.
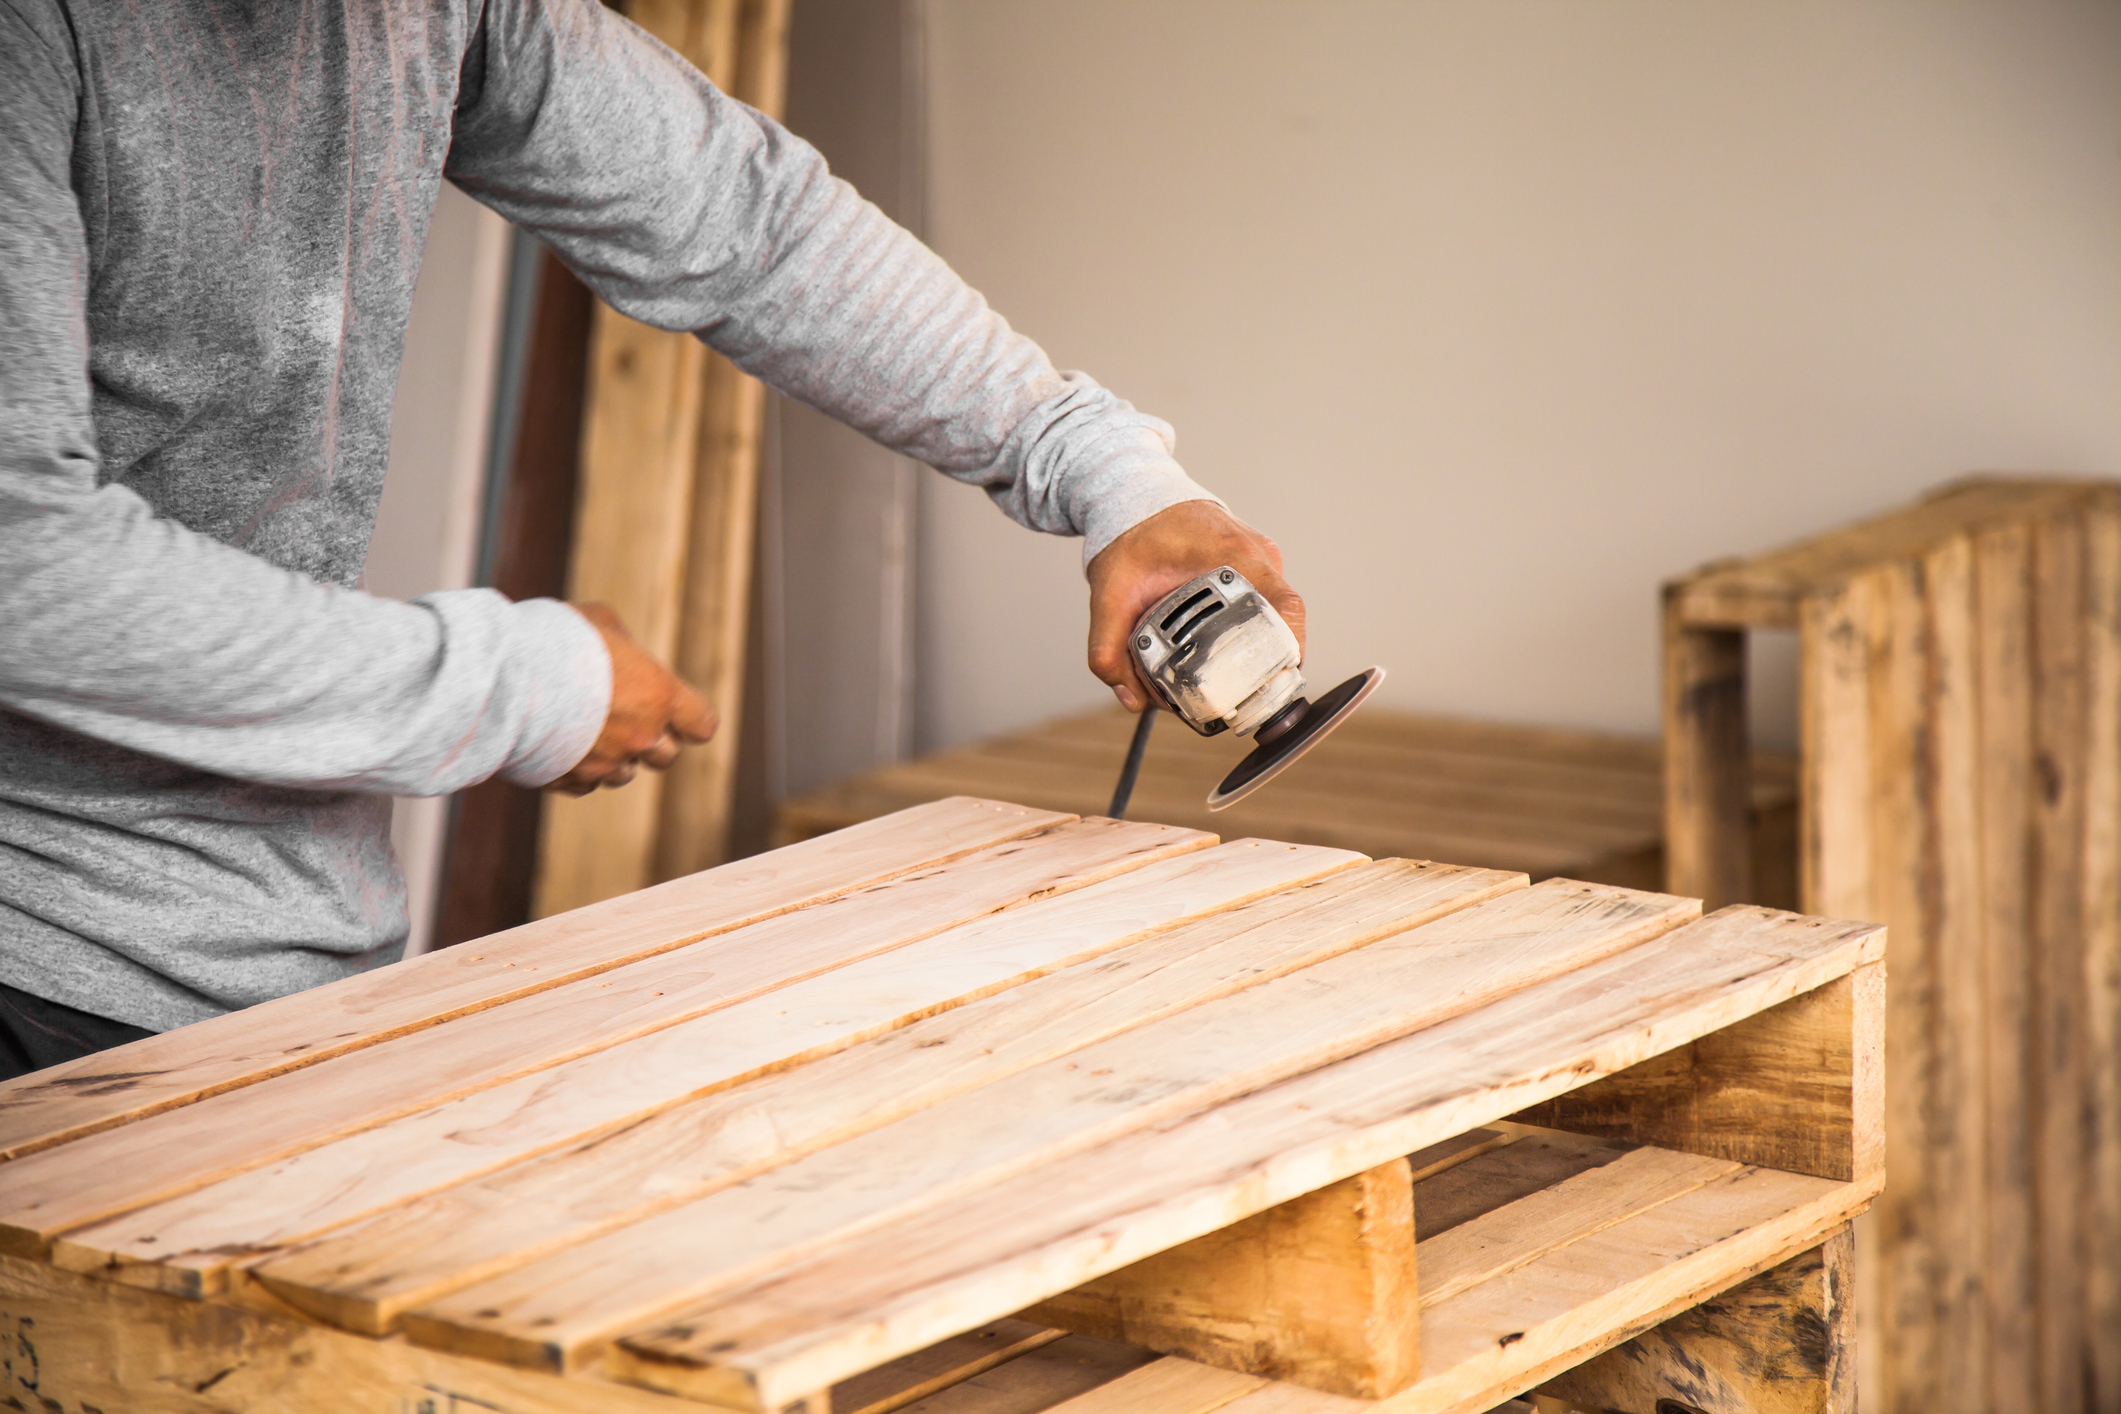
<point x="809" y="1130"/>
<point x="1961" y="718"/>
<point x="1544" y="801"/>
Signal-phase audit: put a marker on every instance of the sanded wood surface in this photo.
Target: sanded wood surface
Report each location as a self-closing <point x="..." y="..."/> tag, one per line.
<point x="1046" y="1229"/>
<point x="177" y="1068"/>
<point x="169" y="1153"/>
<point x="616" y="1098"/>
<point x="806" y="1135"/>
<point x="1960" y="705"/>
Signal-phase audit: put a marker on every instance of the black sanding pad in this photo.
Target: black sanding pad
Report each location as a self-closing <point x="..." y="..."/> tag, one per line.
<point x="1267" y="762"/>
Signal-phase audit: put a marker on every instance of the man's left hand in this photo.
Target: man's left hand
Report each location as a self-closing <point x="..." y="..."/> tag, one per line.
<point x="1157" y="556"/>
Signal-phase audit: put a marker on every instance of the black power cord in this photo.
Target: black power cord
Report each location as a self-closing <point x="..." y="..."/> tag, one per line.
<point x="1124" y="791"/>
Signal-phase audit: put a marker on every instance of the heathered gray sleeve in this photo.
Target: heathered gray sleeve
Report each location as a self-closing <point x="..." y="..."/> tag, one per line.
<point x="688" y="210"/>
<point x="130" y="628"/>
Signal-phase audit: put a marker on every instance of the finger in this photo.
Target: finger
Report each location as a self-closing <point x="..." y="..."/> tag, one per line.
<point x="1110" y="662"/>
<point x="618" y="776"/>
<point x="690" y="717"/>
<point x="660" y="756"/>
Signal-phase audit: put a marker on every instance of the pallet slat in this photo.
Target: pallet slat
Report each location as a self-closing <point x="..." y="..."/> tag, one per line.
<point x="175" y="1068"/>
<point x="189" y="1244"/>
<point x="365" y="1277"/>
<point x="1044" y="1231"/>
<point x="45" y="1193"/>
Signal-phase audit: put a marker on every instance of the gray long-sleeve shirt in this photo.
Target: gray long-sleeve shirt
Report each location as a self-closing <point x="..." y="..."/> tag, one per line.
<point x="211" y="216"/>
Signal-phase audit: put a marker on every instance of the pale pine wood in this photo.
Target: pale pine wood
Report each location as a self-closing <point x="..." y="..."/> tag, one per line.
<point x="1536" y="1159"/>
<point x="663" y="527"/>
<point x="1781" y="1343"/>
<point x="188" y="1245"/>
<point x="693" y="831"/>
<point x="1169" y="1386"/>
<point x="913" y="1377"/>
<point x="78" y="1345"/>
<point x="176" y="1068"/>
<point x="106" y="1173"/>
<point x="1518" y="1233"/>
<point x="560" y="1310"/>
<point x="1707" y="781"/>
<point x="1798" y="1086"/>
<point x="429" y="1248"/>
<point x="1320" y="1290"/>
<point x="1027" y="1237"/>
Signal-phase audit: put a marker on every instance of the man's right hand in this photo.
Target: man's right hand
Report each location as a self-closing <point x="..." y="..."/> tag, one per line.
<point x="653" y="713"/>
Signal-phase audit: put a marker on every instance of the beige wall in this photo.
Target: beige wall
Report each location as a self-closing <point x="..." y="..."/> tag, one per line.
<point x="1494" y="314"/>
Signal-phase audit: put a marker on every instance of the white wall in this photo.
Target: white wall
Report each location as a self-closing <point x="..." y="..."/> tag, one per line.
<point x="427" y="529"/>
<point x="1495" y="314"/>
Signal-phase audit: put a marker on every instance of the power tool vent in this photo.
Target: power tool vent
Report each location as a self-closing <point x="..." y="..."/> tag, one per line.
<point x="1185" y="630"/>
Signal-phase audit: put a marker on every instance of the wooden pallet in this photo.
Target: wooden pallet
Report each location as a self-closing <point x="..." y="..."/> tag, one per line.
<point x="1961" y="710"/>
<point x="810" y="1131"/>
<point x="1543" y="801"/>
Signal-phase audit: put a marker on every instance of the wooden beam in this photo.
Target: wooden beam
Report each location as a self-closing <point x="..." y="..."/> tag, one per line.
<point x="1708" y="784"/>
<point x="1782" y="1343"/>
<point x="1798" y="1087"/>
<point x="1320" y="1291"/>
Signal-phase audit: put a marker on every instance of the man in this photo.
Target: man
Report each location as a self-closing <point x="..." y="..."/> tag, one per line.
<point x="211" y="215"/>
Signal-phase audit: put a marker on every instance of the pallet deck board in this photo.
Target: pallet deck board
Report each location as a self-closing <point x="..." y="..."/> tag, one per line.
<point x="848" y="1138"/>
<point x="96" y="1092"/>
<point x="190" y="1243"/>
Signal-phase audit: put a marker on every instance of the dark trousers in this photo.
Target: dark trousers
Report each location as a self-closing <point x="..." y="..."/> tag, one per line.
<point x="35" y="1033"/>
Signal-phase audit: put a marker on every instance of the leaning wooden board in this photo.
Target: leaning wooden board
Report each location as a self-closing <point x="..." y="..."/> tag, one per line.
<point x="967" y="1090"/>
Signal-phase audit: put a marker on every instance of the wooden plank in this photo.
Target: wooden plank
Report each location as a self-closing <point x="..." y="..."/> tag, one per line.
<point x="1537" y="1160"/>
<point x="559" y="1311"/>
<point x="641" y="441"/>
<point x="1781" y="1343"/>
<point x="1707" y="789"/>
<point x="437" y="1245"/>
<point x="180" y="1067"/>
<point x="2061" y="1071"/>
<point x="78" y="1345"/>
<point x="1320" y="1290"/>
<point x="1168" y="1386"/>
<point x="1768" y="591"/>
<point x="2002" y="587"/>
<point x="1048" y="1230"/>
<point x="911" y="1378"/>
<point x="1437" y="1158"/>
<point x="616" y="1101"/>
<point x="53" y="1190"/>
<point x="1944" y="888"/>
<point x="1039" y="1380"/>
<point x="1799" y="1086"/>
<point x="2102" y="949"/>
<point x="693" y="831"/>
<point x="1518" y="1233"/>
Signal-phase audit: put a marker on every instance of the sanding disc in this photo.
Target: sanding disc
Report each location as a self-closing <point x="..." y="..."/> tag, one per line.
<point x="1267" y="762"/>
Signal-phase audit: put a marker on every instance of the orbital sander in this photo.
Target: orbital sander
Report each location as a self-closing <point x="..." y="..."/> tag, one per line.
<point x="1221" y="660"/>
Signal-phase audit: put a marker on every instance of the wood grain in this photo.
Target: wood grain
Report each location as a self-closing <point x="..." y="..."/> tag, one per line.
<point x="559" y="1310"/>
<point x="97" y="1177"/>
<point x="180" y="1067"/>
<point x="1781" y="1343"/>
<point x="1047" y="1231"/>
<point x="1707" y="761"/>
<point x="1320" y="1290"/>
<point x="611" y="1101"/>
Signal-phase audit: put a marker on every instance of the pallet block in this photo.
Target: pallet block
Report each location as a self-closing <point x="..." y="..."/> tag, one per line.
<point x="865" y="1124"/>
